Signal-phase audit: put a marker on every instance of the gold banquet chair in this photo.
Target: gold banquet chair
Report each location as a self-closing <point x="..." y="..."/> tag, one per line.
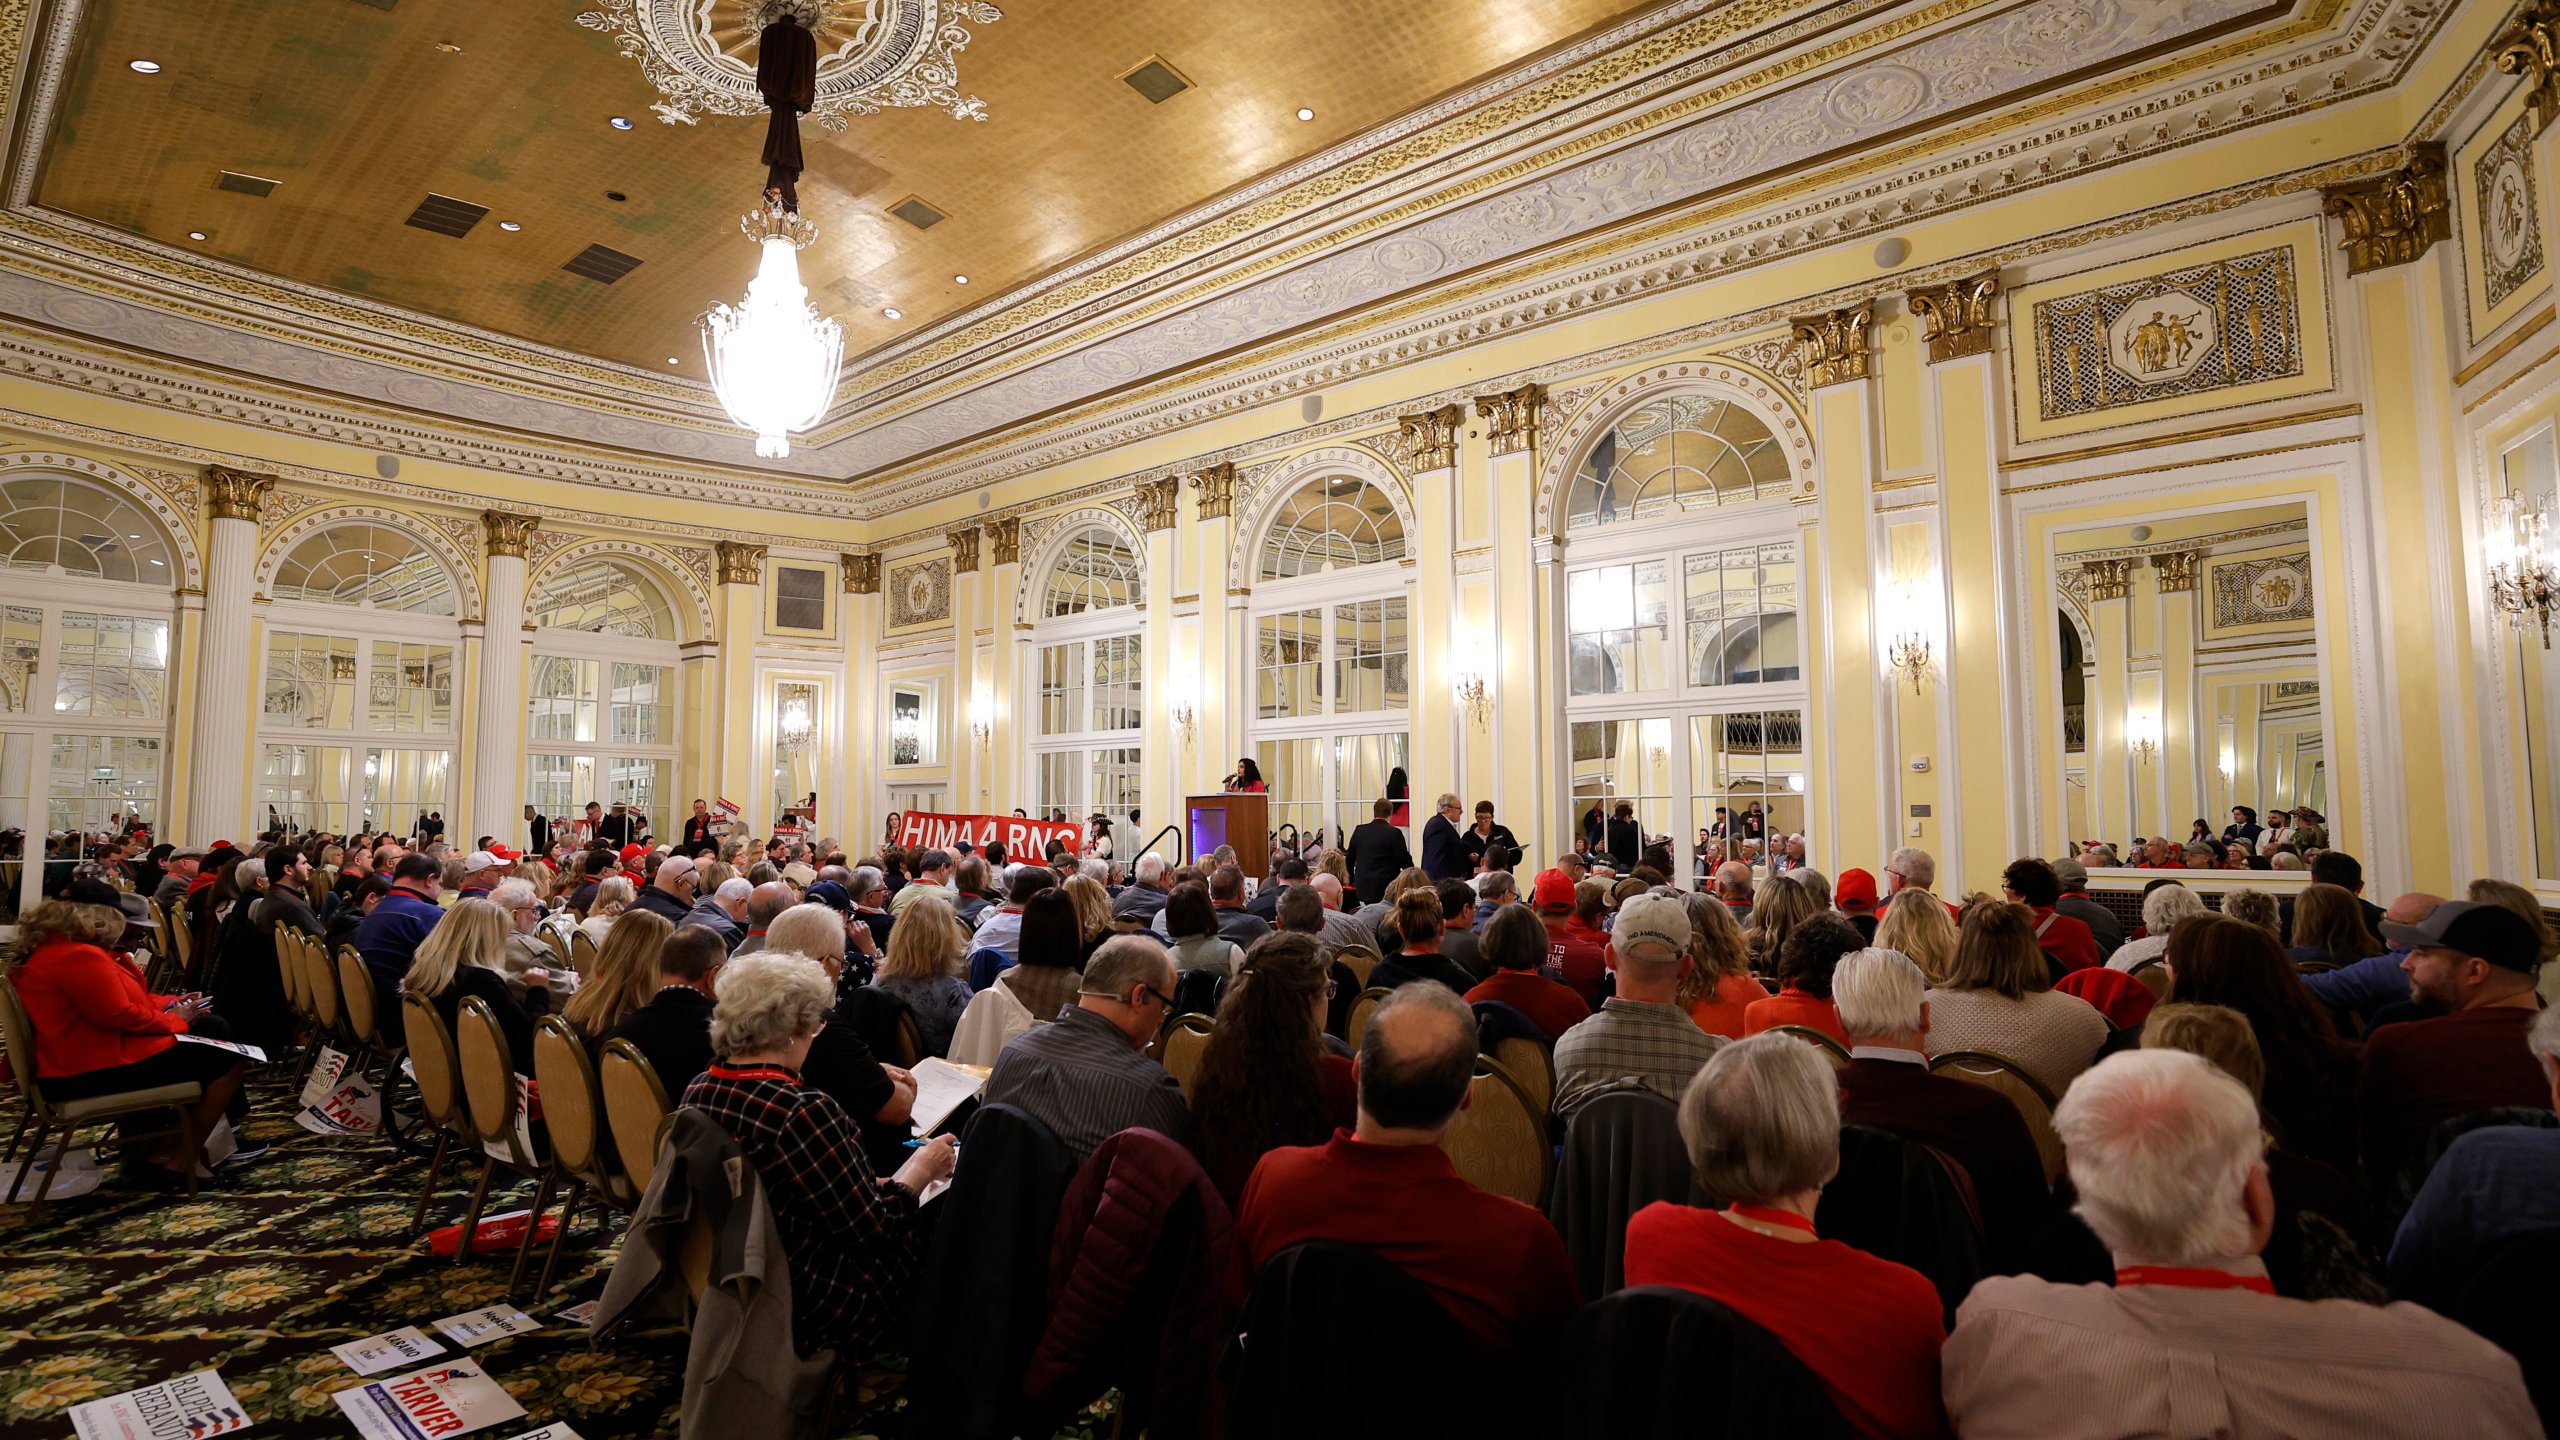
<point x="635" y="1110"/>
<point x="438" y="1072"/>
<point x="489" y="1095"/>
<point x="1498" y="1141"/>
<point x="2034" y="1102"/>
<point x="1184" y="1042"/>
<point x="581" y="1143"/>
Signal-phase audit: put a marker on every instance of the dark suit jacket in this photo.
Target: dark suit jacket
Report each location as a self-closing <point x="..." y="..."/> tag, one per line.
<point x="540" y="826"/>
<point x="1444" y="851"/>
<point x="1976" y="1126"/>
<point x="674" y="1031"/>
<point x="1378" y="854"/>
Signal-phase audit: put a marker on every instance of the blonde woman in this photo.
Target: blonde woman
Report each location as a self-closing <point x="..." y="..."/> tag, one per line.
<point x="614" y="895"/>
<point x="1916" y="923"/>
<point x="1719" y="985"/>
<point x="1777" y="908"/>
<point x="465" y="956"/>
<point x="623" y="977"/>
<point x="927" y="948"/>
<point x="1093" y="910"/>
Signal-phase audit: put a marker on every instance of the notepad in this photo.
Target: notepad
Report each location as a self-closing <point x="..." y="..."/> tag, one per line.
<point x="940" y="1088"/>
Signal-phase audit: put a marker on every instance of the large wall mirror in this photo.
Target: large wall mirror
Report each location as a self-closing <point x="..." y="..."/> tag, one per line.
<point x="2191" y="705"/>
<point x="2529" y="475"/>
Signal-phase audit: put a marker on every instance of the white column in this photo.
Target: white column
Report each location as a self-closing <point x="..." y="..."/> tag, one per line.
<point x="497" y="746"/>
<point x="226" y="673"/>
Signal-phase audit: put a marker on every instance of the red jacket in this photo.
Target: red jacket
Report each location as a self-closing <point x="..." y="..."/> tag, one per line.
<point x="89" y="1010"/>
<point x="2066" y="939"/>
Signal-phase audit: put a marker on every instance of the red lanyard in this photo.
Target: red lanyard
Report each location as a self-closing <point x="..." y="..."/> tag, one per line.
<point x="2193" y="1278"/>
<point x="1766" y="1216"/>
<point x="755" y="1072"/>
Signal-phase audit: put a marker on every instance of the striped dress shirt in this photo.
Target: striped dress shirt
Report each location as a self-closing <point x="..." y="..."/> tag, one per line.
<point x="1083" y="1079"/>
<point x="1630" y="1042"/>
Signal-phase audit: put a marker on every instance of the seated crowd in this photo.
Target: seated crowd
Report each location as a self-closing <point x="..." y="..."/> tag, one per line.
<point x="2203" y="1171"/>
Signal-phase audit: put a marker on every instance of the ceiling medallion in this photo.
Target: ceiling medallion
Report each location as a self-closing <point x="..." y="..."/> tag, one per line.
<point x="872" y="54"/>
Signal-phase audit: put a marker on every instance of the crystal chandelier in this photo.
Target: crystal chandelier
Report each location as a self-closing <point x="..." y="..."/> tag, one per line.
<point x="774" y="359"/>
<point x="2515" y="543"/>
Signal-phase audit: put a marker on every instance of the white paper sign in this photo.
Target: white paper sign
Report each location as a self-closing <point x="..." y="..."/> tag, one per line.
<point x="182" y="1409"/>
<point x="517" y="1147"/>
<point x="429" y="1404"/>
<point x="549" y="1432"/>
<point x="324" y="1075"/>
<point x="582" y="1313"/>
<point x="489" y="1322"/>
<point x="252" y="1051"/>
<point x="387" y="1351"/>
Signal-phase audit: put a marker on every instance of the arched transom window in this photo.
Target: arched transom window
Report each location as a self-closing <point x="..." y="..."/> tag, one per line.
<point x="1680" y="452"/>
<point x="361" y="564"/>
<point x="48" y="521"/>
<point x="603" y="597"/>
<point x="1332" y="524"/>
<point x="1096" y="571"/>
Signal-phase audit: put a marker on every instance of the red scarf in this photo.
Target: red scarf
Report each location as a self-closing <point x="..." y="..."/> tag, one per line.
<point x="754" y="1072"/>
<point x="2192" y="1278"/>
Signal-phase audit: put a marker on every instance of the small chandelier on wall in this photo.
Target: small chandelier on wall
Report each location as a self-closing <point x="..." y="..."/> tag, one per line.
<point x="2515" y="543"/>
<point x="774" y="359"/>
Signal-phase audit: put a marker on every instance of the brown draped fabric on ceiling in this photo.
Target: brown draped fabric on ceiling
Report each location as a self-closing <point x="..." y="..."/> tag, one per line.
<point x="787" y="77"/>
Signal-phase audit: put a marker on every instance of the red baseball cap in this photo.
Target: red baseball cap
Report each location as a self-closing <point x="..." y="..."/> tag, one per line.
<point x="505" y="853"/>
<point x="1552" y="890"/>
<point x="631" y="853"/>
<point x="1855" y="893"/>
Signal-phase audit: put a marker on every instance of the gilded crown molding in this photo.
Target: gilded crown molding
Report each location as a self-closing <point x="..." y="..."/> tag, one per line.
<point x="861" y="574"/>
<point x="872" y="54"/>
<point x="1159" y="503"/>
<point x="1004" y="541"/>
<point x="1956" y="318"/>
<point x="2531" y="47"/>
<point x="740" y="564"/>
<point x="1511" y="418"/>
<point x="508" y="534"/>
<point x="1430" y="439"/>
<point x="964" y="550"/>
<point x="1213" y="490"/>
<point x="1835" y="344"/>
<point x="2393" y="219"/>
<point x="236" y="494"/>
<point x="2108" y="579"/>
<point x="2175" y="571"/>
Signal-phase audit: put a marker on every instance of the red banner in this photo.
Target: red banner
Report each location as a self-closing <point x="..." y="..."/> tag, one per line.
<point x="1022" y="839"/>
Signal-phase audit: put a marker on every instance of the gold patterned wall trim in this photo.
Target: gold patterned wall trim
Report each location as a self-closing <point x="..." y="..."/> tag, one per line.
<point x="2206" y="327"/>
<point x="2107" y="579"/>
<point x="1004" y="541"/>
<point x="2266" y="591"/>
<point x="964" y="549"/>
<point x="2394" y="217"/>
<point x="2530" y="47"/>
<point x="2498" y="220"/>
<point x="920" y="594"/>
<point x="1159" y="503"/>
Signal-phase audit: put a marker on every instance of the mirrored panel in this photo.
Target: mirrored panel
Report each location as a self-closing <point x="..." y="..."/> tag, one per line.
<point x="2194" y="728"/>
<point x="2516" y="537"/>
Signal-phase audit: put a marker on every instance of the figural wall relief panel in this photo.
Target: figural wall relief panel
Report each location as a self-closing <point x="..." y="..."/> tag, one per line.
<point x="2499" y="221"/>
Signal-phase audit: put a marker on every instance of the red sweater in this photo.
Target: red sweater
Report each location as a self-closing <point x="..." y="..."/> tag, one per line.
<point x="1494" y="1262"/>
<point x="2066" y="939"/>
<point x="1869" y="1329"/>
<point x="1578" y="958"/>
<point x="1550" y="1006"/>
<point x="90" y="1010"/>
<point x="1791" y="1006"/>
<point x="2422" y="1071"/>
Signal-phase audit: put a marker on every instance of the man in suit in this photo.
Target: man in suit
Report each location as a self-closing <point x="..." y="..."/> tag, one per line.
<point x="620" y="827"/>
<point x="674" y="1028"/>
<point x="1265" y="903"/>
<point x="1444" y="846"/>
<point x="539" y="829"/>
<point x="1377" y="852"/>
<point x="1887" y="1084"/>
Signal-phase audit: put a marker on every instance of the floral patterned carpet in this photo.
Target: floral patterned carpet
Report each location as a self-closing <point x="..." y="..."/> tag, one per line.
<point x="298" y="1251"/>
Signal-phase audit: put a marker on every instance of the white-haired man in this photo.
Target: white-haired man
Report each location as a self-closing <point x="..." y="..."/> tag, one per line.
<point x="1640" y="1038"/>
<point x="724" y="911"/>
<point x="528" y="957"/>
<point x="1144" y="899"/>
<point x="1911" y="868"/>
<point x="2192" y="1339"/>
<point x="840" y="1063"/>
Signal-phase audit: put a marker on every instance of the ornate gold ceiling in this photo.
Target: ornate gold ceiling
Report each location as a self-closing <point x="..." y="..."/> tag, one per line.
<point x="358" y="115"/>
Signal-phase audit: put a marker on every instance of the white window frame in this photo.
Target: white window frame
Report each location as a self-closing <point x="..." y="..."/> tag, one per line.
<point x="1081" y="629"/>
<point x="365" y="625"/>
<point x="604" y="753"/>
<point x="1322" y="592"/>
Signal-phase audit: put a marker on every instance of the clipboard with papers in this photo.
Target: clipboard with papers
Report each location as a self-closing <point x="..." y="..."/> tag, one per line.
<point x="941" y="1088"/>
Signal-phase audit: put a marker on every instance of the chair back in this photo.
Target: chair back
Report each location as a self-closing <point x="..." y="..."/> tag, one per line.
<point x="1499" y="1141"/>
<point x="433" y="1063"/>
<point x="1533" y="1065"/>
<point x="1660" y="1363"/>
<point x="2154" y="975"/>
<point x="288" y="943"/>
<point x="1361" y="1009"/>
<point x="489" y="1078"/>
<point x="1622" y="1152"/>
<point x="1831" y="1050"/>
<point x="185" y="941"/>
<point x="2507" y="1301"/>
<point x="1293" y="1375"/>
<point x="321" y="979"/>
<point x="1184" y="1041"/>
<point x="355" y="988"/>
<point x="910" y="1040"/>
<point x="571" y="1103"/>
<point x="1361" y="959"/>
<point x="1892" y="1199"/>
<point x="559" y="944"/>
<point x="582" y="951"/>
<point x="2034" y="1102"/>
<point x="635" y="1110"/>
<point x="19" y="1037"/>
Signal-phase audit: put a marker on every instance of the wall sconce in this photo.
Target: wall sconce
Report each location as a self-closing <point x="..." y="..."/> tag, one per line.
<point x="1908" y="653"/>
<point x="2142" y="734"/>
<point x="1471" y="692"/>
<point x="1911" y="649"/>
<point x="1186" y="721"/>
<point x="2515" y="541"/>
<point x="982" y="715"/>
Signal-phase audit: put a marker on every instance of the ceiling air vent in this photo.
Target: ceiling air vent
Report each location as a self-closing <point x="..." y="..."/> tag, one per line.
<point x="379" y="4"/>
<point x="1156" y="80"/>
<point x="602" y="264"/>
<point x="915" y="212"/>
<point x="447" y="216"/>
<point x="239" y="184"/>
<point x="800" y="599"/>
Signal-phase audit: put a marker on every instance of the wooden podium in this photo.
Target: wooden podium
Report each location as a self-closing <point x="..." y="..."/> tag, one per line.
<point x="1244" y="821"/>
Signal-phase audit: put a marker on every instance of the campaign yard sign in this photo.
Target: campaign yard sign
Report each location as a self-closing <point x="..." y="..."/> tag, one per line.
<point x="452" y="1398"/>
<point x="187" y="1408"/>
<point x="387" y="1351"/>
<point x="1022" y="839"/>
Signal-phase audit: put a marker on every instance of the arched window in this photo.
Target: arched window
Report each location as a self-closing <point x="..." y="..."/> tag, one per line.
<point x="1677" y="453"/>
<point x="602" y="701"/>
<point x="356" y="724"/>
<point x="372" y="565"/>
<point x="1331" y="652"/>
<point x="1333" y="524"/>
<point x="1090" y="677"/>
<point x="87" y="579"/>
<point x="1684" y="655"/>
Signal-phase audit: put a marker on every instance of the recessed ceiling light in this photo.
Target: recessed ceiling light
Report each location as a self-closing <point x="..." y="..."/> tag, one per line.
<point x="509" y="226"/>
<point x="959" y="279"/>
<point x="620" y="122"/>
<point x="195" y="234"/>
<point x="672" y="360"/>
<point x="894" y="313"/>
<point x="145" y="67"/>
<point x="1304" y="114"/>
